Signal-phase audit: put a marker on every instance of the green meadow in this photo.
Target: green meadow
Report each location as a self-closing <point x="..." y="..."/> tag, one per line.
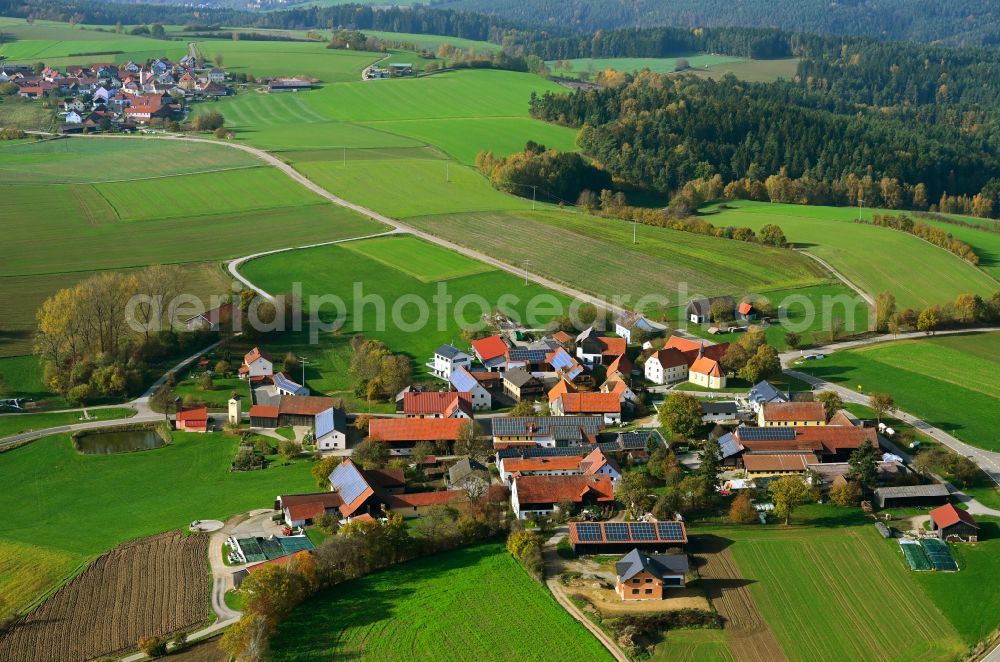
<point x="597" y="254"/>
<point x="72" y="160"/>
<point x="949" y="381"/>
<point x="59" y="44"/>
<point x="985" y="241"/>
<point x="433" y="41"/>
<point x="472" y="603"/>
<point x="13" y="424"/>
<point x="288" y="58"/>
<point x="225" y="192"/>
<point x="73" y="514"/>
<point x="916" y="272"/>
<point x="403" y="271"/>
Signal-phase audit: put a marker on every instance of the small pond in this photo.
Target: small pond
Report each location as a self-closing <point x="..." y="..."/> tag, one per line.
<point x="122" y="441"/>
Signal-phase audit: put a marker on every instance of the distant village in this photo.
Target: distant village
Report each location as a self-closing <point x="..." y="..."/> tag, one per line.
<point x="108" y="97"/>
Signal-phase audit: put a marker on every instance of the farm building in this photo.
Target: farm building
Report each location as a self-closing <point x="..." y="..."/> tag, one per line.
<point x="643" y="576"/>
<point x="621" y="537"/>
<point x="628" y="322"/>
<point x="682" y="359"/>
<point x="699" y="311"/>
<point x="762" y="393"/>
<point x="302" y="509"/>
<point x="911" y="495"/>
<point x="519" y="384"/>
<point x="539" y="495"/>
<point x="256" y="365"/>
<point x="951" y="523"/>
<point x="715" y="412"/>
<point x="263" y="416"/>
<point x="594" y="349"/>
<point x="211" y="320"/>
<point x="606" y="405"/>
<point x="287" y="386"/>
<point x="402" y="434"/>
<point x="791" y="414"/>
<point x="491" y="352"/>
<point x="595" y="463"/>
<point x="289" y="85"/>
<point x="549" y="431"/>
<point x="192" y="420"/>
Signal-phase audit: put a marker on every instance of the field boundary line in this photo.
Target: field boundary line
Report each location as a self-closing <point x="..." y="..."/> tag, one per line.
<point x="143" y="179"/>
<point x="846" y="281"/>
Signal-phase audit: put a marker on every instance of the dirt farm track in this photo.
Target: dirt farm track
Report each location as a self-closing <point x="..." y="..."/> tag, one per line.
<point x="729" y="594"/>
<point x="149" y="586"/>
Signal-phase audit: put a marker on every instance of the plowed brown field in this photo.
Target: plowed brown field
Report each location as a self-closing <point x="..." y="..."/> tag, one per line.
<point x="151" y="586"/>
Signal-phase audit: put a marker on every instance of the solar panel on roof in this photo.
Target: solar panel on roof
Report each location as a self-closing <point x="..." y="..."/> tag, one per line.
<point x="616" y="531"/>
<point x="670" y="530"/>
<point x="588" y="531"/>
<point x="643" y="531"/>
<point x="348" y="482"/>
<point x="767" y="434"/>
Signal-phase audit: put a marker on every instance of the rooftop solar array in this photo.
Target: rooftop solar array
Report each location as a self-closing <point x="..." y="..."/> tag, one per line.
<point x="462" y="380"/>
<point x="767" y="434"/>
<point x="542" y="451"/>
<point x="637" y="439"/>
<point x="628" y="532"/>
<point x="506" y="426"/>
<point x="348" y="482"/>
<point x="529" y="355"/>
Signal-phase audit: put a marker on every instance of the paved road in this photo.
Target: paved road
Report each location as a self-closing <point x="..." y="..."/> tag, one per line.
<point x="989" y="461"/>
<point x="846" y="281"/>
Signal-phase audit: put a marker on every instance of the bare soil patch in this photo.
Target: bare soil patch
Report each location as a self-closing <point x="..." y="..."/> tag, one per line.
<point x="150" y="586"/>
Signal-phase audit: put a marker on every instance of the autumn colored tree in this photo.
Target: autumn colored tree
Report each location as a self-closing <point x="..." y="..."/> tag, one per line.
<point x="741" y="510"/>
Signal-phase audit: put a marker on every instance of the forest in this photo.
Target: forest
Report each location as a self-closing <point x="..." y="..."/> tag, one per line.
<point x="662" y="131"/>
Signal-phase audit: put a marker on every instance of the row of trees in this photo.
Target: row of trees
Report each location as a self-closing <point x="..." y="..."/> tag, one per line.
<point x="967" y="310"/>
<point x="379" y="373"/>
<point x="929" y="233"/>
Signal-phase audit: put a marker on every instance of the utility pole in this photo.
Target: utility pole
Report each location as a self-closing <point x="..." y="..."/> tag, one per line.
<point x="534" y="190"/>
<point x="861" y="202"/>
<point x="303" y="361"/>
<point x="526" y="263"/>
<point x="635" y="230"/>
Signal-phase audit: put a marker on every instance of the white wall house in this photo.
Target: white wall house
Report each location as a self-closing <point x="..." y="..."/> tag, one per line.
<point x="255" y="364"/>
<point x="464" y="382"/>
<point x="446" y="360"/>
<point x="666" y="366"/>
<point x="331" y="430"/>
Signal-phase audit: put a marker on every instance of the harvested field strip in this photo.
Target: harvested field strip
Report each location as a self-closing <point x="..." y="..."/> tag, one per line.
<point x="154" y="585"/>
<point x="27" y="571"/>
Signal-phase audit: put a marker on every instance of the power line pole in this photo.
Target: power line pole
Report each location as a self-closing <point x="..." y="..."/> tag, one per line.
<point x="635" y="231"/>
<point x="534" y="190"/>
<point x="861" y="202"/>
<point x="303" y="361"/>
<point x="526" y="263"/>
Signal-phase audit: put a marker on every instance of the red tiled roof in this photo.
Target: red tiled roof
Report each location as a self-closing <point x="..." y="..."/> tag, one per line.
<point x="561" y="388"/>
<point x="707" y="366"/>
<point x="744" y="308"/>
<point x="421" y="499"/>
<point x="302" y="511"/>
<point x="305" y="405"/>
<point x="486" y="376"/>
<point x="595" y="461"/>
<point x="948" y="515"/>
<point x="555" y="463"/>
<point x="786" y="462"/>
<point x="621" y="364"/>
<point x="550" y="489"/>
<point x="561" y="337"/>
<point x="415" y="429"/>
<point x="263" y="411"/>
<point x="435" y="403"/>
<point x="193" y="415"/>
<point x="614" y="385"/>
<point x="591" y="403"/>
<point x="682" y="344"/>
<point x="670" y="357"/>
<point x="613" y="346"/>
<point x="489" y="348"/>
<point x="794" y="411"/>
<point x="253" y="355"/>
<point x="837" y="437"/>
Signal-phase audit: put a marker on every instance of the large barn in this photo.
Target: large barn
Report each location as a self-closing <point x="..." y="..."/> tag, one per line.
<point x="621" y="537"/>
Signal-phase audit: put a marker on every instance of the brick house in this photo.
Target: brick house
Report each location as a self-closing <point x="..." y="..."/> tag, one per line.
<point x="643" y="576"/>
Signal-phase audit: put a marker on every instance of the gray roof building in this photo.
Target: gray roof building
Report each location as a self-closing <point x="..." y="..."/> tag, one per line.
<point x="658" y="565"/>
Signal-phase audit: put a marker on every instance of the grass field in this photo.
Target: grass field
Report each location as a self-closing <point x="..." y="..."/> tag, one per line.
<point x="92" y="503"/>
<point x="825" y="584"/>
<point x="12" y="424"/>
<point x="754" y="71"/>
<point x="337" y="270"/>
<point x="17" y="113"/>
<point x="411" y="256"/>
<point x="660" y="65"/>
<point x="598" y="255"/>
<point x="60" y="44"/>
<point x="985" y="242"/>
<point x="918" y="273"/>
<point x="285" y="58"/>
<point x="228" y="192"/>
<point x="473" y="603"/>
<point x="949" y="381"/>
<point x="69" y="161"/>
<point x="432" y="41"/>
<point x="978" y="568"/>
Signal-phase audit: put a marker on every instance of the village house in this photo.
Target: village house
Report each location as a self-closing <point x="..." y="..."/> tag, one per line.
<point x="606" y="405"/>
<point x="540" y="495"/>
<point x="466" y="470"/>
<point x="491" y="352"/>
<point x="776" y="451"/>
<point x="954" y="524"/>
<point x="326" y="421"/>
<point x="594" y="349"/>
<point x="643" y="576"/>
<point x="519" y="384"/>
<point x="760" y="394"/>
<point x="449" y="404"/>
<point x="682" y="359"/>
<point x="256" y="365"/>
<point x="464" y="381"/>
<point x="616" y="386"/>
<point x="287" y="386"/>
<point x="621" y="368"/>
<point x="594" y="463"/>
<point x="446" y="360"/>
<point x="791" y="414"/>
<point x="699" y="311"/>
<point x="719" y="412"/>
<point x="565" y="366"/>
<point x="211" y="320"/>
<point x="628" y="322"/>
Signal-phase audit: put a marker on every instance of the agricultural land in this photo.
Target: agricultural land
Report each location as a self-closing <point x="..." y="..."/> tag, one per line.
<point x="471" y="604"/>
